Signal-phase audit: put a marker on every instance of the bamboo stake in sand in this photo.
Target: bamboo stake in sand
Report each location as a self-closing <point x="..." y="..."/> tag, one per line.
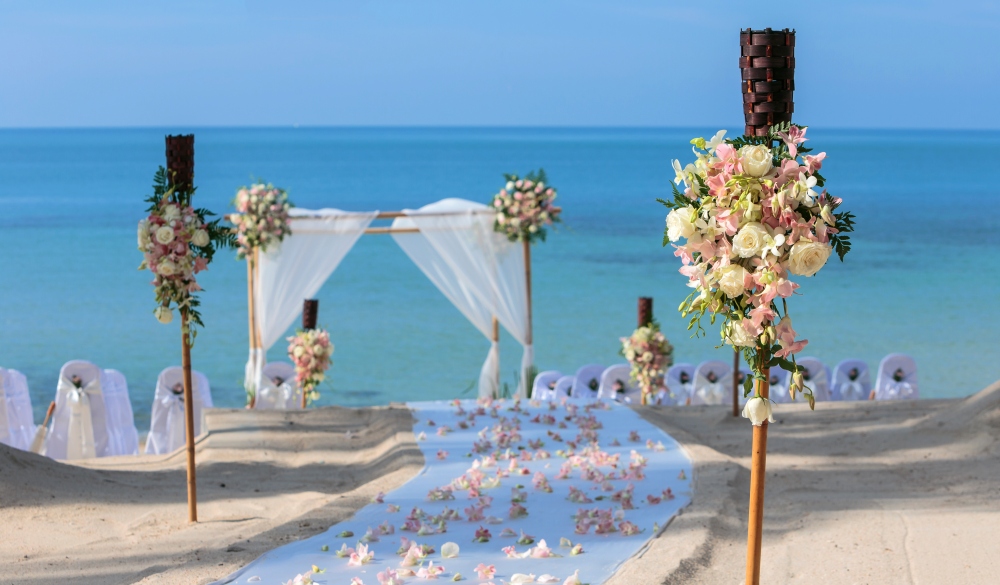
<point x="645" y="318"/>
<point x="192" y="486"/>
<point x="757" y="466"/>
<point x="736" y="382"/>
<point x="527" y="287"/>
<point x="496" y="339"/>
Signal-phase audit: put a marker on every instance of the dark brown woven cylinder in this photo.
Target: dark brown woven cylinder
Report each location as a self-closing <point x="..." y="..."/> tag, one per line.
<point x="180" y="161"/>
<point x="310" y="312"/>
<point x="767" y="61"/>
<point x="645" y="311"/>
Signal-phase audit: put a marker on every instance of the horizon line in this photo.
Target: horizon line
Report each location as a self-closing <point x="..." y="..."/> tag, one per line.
<point x="470" y="127"/>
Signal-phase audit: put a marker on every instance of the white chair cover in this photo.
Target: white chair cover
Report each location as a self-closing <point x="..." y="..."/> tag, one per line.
<point x="727" y="383"/>
<point x="17" y="425"/>
<point x="681" y="391"/>
<point x="167" y="428"/>
<point x="457" y="289"/>
<point x="886" y="388"/>
<point x="778" y="391"/>
<point x="79" y="425"/>
<point x="540" y="389"/>
<point x="284" y="396"/>
<point x="296" y="269"/>
<point x="489" y="266"/>
<point x="706" y="391"/>
<point x="564" y="387"/>
<point x="845" y="388"/>
<point x="583" y="380"/>
<point x="615" y="373"/>
<point x="817" y="377"/>
<point x="123" y="437"/>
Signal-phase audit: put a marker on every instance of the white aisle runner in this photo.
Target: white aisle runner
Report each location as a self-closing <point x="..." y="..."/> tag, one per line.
<point x="614" y="480"/>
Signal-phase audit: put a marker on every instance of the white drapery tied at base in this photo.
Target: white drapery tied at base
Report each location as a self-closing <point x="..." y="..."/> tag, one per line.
<point x="296" y="269"/>
<point x="275" y="395"/>
<point x="167" y="430"/>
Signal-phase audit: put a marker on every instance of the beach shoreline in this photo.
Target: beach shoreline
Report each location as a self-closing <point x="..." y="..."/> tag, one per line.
<point x="888" y="492"/>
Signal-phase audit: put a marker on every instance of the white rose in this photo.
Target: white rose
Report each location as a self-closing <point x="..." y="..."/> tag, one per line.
<point x="750" y="239"/>
<point x="143" y="234"/>
<point x="298" y="351"/>
<point x="166" y="268"/>
<point x="165" y="234"/>
<point x="163" y="314"/>
<point x="171" y="212"/>
<point x="758" y="410"/>
<point x="731" y="281"/>
<point x="679" y="223"/>
<point x="806" y="258"/>
<point x="200" y="238"/>
<point x="756" y="160"/>
<point x="737" y="336"/>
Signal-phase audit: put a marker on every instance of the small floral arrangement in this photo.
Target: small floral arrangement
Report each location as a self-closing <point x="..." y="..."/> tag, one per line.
<point x="262" y="220"/>
<point x="751" y="218"/>
<point x="524" y="207"/>
<point x="310" y="351"/>
<point x="650" y="354"/>
<point x="177" y="242"/>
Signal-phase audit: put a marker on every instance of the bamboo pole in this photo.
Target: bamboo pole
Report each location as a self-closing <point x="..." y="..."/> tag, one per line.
<point x="736" y="382"/>
<point x="496" y="339"/>
<point x="757" y="469"/>
<point x="527" y="288"/>
<point x="192" y="484"/>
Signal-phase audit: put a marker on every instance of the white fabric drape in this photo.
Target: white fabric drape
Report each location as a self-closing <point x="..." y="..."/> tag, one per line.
<point x="457" y="289"/>
<point x="296" y="269"/>
<point x="489" y="267"/>
<point x="79" y="425"/>
<point x="274" y="396"/>
<point x="706" y="391"/>
<point x="18" y="425"/>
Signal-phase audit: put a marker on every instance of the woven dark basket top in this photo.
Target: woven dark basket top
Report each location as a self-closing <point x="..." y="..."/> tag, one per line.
<point x="180" y="160"/>
<point x="767" y="73"/>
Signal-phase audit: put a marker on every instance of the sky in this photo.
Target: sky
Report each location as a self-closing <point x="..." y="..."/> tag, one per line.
<point x="860" y="64"/>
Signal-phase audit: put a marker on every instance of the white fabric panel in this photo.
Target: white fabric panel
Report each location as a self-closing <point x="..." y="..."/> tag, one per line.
<point x="581" y="382"/>
<point x="296" y="269"/>
<point x="564" y="386"/>
<point x="609" y="376"/>
<point x="123" y="437"/>
<point x="727" y="383"/>
<point x="79" y="425"/>
<point x="456" y="289"/>
<point x="886" y="388"/>
<point x="17" y="425"/>
<point x="489" y="266"/>
<point x="540" y="389"/>
<point x="167" y="429"/>
<point x="844" y="388"/>
<point x="704" y="391"/>
<point x="817" y="377"/>
<point x="274" y="396"/>
<point x="681" y="390"/>
<point x="778" y="391"/>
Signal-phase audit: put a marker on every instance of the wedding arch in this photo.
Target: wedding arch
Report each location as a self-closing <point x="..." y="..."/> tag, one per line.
<point x="453" y="243"/>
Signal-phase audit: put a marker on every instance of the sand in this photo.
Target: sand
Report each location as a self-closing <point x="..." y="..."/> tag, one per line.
<point x="880" y="493"/>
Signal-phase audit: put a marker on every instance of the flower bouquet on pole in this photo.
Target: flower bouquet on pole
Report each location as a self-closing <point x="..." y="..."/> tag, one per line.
<point x="751" y="215"/>
<point x="310" y="351"/>
<point x="260" y="222"/>
<point x="649" y="354"/>
<point x="524" y="208"/>
<point x="177" y="242"/>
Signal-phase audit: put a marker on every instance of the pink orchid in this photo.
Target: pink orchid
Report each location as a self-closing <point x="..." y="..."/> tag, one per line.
<point x="628" y="529"/>
<point x="485" y="572"/>
<point x="442" y="454"/>
<point x="517" y="511"/>
<point x="389" y="577"/>
<point x="361" y="556"/>
<point x="573" y="579"/>
<point x="430" y="571"/>
<point x="482" y="535"/>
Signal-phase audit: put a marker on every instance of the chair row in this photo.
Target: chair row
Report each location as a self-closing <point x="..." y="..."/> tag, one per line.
<point x="711" y="382"/>
<point x="93" y="414"/>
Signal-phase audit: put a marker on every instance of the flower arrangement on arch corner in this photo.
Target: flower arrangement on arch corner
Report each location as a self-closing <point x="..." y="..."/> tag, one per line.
<point x="525" y="207"/>
<point x="649" y="354"/>
<point x="310" y="351"/>
<point x="748" y="219"/>
<point x="261" y="219"/>
<point x="177" y="242"/>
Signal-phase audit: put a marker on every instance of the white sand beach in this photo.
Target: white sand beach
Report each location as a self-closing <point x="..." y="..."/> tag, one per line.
<point x="894" y="492"/>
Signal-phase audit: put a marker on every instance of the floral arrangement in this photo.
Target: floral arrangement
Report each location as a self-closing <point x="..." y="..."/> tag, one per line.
<point x="177" y="242"/>
<point x="750" y="218"/>
<point x="524" y="207"/>
<point x="262" y="219"/>
<point x="650" y="354"/>
<point x="310" y="351"/>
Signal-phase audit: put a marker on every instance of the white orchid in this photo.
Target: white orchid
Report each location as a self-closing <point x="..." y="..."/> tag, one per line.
<point x="758" y="409"/>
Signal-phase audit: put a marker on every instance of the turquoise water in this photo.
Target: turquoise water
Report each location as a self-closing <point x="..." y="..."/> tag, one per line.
<point x="923" y="277"/>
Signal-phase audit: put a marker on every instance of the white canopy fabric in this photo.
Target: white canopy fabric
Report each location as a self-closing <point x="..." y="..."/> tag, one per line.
<point x="489" y="268"/>
<point x="296" y="269"/>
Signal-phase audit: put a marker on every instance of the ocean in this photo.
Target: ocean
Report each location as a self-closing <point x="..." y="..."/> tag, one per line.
<point x="923" y="277"/>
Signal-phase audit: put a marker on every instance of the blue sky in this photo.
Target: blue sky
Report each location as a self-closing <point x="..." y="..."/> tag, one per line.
<point x="471" y="62"/>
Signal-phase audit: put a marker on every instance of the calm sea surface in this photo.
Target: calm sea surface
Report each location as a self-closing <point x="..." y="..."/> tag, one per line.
<point x="923" y="278"/>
